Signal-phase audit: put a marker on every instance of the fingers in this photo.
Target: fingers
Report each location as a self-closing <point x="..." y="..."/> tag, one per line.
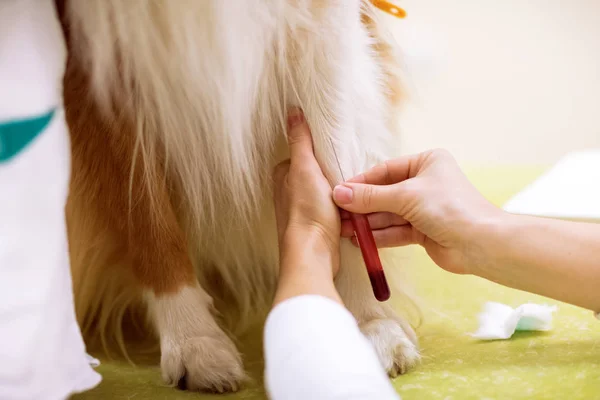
<point x="376" y="221"/>
<point x="395" y="236"/>
<point x="299" y="141"/>
<point x="390" y="172"/>
<point x="299" y="137"/>
<point x="366" y="199"/>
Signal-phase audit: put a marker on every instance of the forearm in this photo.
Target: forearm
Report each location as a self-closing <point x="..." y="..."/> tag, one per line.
<point x="306" y="267"/>
<point x="553" y="258"/>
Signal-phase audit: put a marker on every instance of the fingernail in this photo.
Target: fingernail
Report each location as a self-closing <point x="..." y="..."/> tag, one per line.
<point x="342" y="195"/>
<point x="295" y="117"/>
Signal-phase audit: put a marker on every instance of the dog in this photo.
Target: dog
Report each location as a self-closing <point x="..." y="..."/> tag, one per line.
<point x="176" y="111"/>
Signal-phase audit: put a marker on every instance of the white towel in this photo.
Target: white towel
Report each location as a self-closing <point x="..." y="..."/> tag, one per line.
<point x="42" y="354"/>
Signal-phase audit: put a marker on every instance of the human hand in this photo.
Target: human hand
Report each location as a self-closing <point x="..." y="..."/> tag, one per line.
<point x="422" y="199"/>
<point x="307" y="218"/>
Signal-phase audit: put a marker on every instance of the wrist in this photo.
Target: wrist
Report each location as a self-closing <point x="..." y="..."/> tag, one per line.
<point x="299" y="282"/>
<point x="308" y="270"/>
<point x="486" y="242"/>
<point x="308" y="265"/>
<point x="309" y="247"/>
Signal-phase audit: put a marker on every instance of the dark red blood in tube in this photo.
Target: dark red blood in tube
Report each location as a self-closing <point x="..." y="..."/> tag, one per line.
<point x="368" y="248"/>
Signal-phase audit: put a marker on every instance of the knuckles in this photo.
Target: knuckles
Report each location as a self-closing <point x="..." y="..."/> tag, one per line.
<point x="366" y="197"/>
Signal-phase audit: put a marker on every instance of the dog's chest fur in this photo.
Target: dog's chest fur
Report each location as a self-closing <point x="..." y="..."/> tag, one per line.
<point x="204" y="87"/>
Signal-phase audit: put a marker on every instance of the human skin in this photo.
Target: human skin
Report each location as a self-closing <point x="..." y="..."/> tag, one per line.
<point x="426" y="199"/>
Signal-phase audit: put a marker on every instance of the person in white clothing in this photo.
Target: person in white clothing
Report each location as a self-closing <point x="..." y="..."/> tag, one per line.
<point x="313" y="346"/>
<point x="42" y="353"/>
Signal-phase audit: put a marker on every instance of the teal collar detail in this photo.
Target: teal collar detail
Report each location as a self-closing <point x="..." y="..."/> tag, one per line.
<point x="15" y="135"/>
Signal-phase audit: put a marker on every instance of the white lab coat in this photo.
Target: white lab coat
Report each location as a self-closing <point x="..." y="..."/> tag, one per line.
<point x="42" y="354"/>
<point x="315" y="350"/>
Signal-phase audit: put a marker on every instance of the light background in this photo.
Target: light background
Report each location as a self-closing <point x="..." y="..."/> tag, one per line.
<point x="501" y="82"/>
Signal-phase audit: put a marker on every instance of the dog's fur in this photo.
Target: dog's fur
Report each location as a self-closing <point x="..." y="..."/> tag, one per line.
<point x="176" y="110"/>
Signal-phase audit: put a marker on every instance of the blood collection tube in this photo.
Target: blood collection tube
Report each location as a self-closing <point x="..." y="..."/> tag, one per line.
<point x="368" y="248"/>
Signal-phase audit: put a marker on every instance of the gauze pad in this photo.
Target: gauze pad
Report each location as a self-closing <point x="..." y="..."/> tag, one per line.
<point x="499" y="321"/>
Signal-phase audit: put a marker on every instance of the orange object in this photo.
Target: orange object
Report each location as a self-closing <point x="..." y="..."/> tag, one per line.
<point x="390" y="8"/>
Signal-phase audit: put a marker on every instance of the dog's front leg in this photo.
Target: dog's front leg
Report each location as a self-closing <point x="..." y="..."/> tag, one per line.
<point x="137" y="212"/>
<point x="338" y="82"/>
<point x="196" y="354"/>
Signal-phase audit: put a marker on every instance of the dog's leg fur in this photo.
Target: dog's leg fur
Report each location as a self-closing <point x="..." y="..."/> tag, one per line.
<point x="193" y="346"/>
<point x="192" y="343"/>
<point x="339" y="84"/>
<point x="393" y="338"/>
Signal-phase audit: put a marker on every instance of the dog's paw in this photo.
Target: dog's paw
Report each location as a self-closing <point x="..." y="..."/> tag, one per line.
<point x="395" y="350"/>
<point x="203" y="363"/>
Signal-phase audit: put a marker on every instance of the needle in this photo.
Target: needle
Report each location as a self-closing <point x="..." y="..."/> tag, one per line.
<point x="368" y="248"/>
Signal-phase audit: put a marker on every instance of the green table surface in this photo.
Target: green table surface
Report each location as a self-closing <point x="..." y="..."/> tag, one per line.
<point x="561" y="364"/>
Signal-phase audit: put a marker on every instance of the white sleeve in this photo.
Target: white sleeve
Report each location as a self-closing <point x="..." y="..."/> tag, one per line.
<point x="315" y="350"/>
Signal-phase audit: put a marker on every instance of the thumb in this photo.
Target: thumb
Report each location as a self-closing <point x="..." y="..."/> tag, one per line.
<point x="364" y="199"/>
<point x="281" y="171"/>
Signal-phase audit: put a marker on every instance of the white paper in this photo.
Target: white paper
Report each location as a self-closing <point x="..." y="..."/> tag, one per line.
<point x="569" y="190"/>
